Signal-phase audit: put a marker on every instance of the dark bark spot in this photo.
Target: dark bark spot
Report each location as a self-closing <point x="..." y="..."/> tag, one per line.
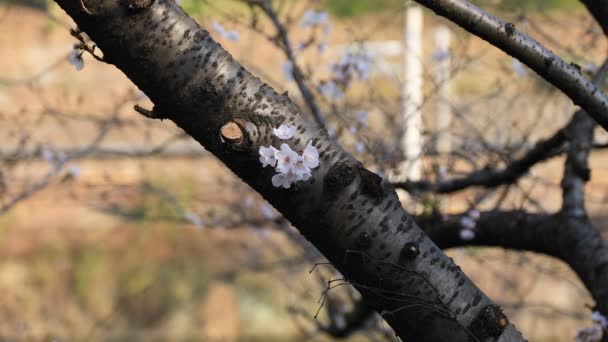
<point x="338" y="177"/>
<point x="489" y="323"/>
<point x="363" y="241"/>
<point x="576" y="66"/>
<point x="136" y="5"/>
<point x="510" y="29"/>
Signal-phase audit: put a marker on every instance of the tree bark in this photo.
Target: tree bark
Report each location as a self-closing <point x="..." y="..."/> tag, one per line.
<point x="349" y="213"/>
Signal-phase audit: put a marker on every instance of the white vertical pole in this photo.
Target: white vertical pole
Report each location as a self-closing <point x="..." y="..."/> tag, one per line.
<point x="412" y="93"/>
<point x="444" y="92"/>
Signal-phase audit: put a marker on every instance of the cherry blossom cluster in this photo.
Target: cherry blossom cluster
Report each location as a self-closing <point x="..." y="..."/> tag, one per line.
<point x="312" y="19"/>
<point x="291" y="166"/>
<point x="352" y="64"/>
<point x="468" y="223"/>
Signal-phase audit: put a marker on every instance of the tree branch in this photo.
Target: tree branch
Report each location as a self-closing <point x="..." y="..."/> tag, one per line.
<point x="296" y="72"/>
<point x="346" y="211"/>
<point x="491" y="177"/>
<point x="576" y="169"/>
<point x="570" y="238"/>
<point x="566" y="77"/>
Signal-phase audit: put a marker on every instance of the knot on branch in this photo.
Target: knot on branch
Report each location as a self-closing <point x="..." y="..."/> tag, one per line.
<point x="489" y="323"/>
<point x="410" y="250"/>
<point x="235" y="134"/>
<point x="510" y="29"/>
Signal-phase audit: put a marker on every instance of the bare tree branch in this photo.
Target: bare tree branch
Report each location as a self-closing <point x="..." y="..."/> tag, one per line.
<point x="504" y="35"/>
<point x="296" y="72"/>
<point x="489" y="177"/>
<point x="570" y="238"/>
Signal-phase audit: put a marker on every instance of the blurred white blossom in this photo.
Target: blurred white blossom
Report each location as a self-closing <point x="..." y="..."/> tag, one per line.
<point x="194" y="219"/>
<point x="597" y="317"/>
<point x="362" y="116"/>
<point x="359" y="147"/>
<point x="232" y="35"/>
<point x="519" y="68"/>
<point x="467" y="234"/>
<point x="268" y="212"/>
<point x="590" y="67"/>
<point x="442" y="172"/>
<point x="440" y="55"/>
<point x="75" y="57"/>
<point x="594" y="332"/>
<point x="331" y="90"/>
<point x="287" y="70"/>
<point x="74" y="171"/>
<point x="47" y="154"/>
<point x="467" y="222"/>
<point x="312" y="18"/>
<point x="353" y="64"/>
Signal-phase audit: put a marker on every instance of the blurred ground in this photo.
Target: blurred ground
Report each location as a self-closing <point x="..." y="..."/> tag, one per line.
<point x="108" y="256"/>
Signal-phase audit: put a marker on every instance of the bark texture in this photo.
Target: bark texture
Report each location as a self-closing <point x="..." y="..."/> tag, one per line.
<point x="346" y="211"/>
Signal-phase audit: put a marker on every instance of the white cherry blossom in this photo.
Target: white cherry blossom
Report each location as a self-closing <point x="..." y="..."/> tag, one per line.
<point x="286" y="159"/>
<point x="284" y="131"/>
<point x="267" y="156"/>
<point x="310" y="156"/>
<point x="282" y="180"/>
<point x="301" y="171"/>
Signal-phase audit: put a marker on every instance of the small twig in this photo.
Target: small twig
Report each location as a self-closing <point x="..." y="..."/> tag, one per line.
<point x="76" y="33"/>
<point x="84" y="8"/>
<point x="151" y="114"/>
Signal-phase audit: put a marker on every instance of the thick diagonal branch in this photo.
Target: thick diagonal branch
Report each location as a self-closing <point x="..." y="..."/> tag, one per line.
<point x="346" y="211"/>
